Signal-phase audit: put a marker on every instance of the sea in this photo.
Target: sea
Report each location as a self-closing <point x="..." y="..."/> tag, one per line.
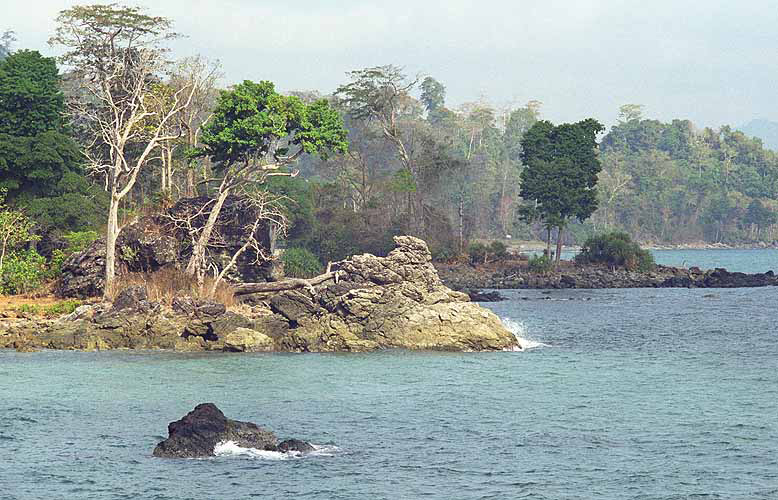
<point x="624" y="394"/>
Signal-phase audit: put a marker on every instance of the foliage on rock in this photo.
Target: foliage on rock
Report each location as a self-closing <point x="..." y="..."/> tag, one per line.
<point x="615" y="249"/>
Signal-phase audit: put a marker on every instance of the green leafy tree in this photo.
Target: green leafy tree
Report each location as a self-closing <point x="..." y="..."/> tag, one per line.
<point x="15" y="229"/>
<point x="433" y="94"/>
<point x="561" y="175"/>
<point x="35" y="149"/>
<point x="254" y="133"/>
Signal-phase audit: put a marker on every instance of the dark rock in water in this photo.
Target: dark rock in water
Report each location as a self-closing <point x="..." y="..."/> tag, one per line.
<point x="295" y="445"/>
<point x="480" y="296"/>
<point x="196" y="435"/>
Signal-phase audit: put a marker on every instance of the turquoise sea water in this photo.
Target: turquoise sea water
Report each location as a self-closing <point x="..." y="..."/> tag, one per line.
<point x="757" y="260"/>
<point x="636" y="394"/>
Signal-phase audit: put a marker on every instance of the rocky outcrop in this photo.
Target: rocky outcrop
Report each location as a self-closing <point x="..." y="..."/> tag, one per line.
<point x="199" y="431"/>
<point x="570" y="276"/>
<point x="366" y="303"/>
<point x="155" y="242"/>
<point x="396" y="301"/>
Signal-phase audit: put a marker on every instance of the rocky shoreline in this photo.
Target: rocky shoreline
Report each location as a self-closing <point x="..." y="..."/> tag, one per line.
<point x="518" y="276"/>
<point x="365" y="303"/>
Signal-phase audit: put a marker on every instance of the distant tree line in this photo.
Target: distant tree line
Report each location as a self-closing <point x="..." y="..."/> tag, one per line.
<point x="126" y="131"/>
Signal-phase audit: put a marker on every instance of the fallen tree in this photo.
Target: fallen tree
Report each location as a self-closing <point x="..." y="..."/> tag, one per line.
<point x="284" y="285"/>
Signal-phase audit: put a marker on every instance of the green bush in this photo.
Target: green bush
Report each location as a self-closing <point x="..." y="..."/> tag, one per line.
<point x="480" y="253"/>
<point x="616" y="249"/>
<point x="477" y="253"/>
<point x="540" y="263"/>
<point x="23" y="272"/>
<point x="498" y="250"/>
<point x="58" y="309"/>
<point x="79" y="240"/>
<point x="300" y="263"/>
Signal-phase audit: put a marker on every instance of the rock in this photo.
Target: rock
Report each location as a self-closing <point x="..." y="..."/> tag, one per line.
<point x="132" y="297"/>
<point x="481" y="296"/>
<point x="154" y="242"/>
<point x="247" y="340"/>
<point x="198" y="307"/>
<point x="200" y="430"/>
<point x="295" y="445"/>
<point x="396" y="301"/>
<point x="368" y="303"/>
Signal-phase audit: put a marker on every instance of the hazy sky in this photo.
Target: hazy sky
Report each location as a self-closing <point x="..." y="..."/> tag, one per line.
<point x="711" y="61"/>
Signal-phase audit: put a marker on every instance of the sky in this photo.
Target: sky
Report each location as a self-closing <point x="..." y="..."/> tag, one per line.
<point x="714" y="62"/>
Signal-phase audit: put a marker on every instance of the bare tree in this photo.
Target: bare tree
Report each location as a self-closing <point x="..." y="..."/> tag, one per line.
<point x="382" y="94"/>
<point x="118" y="53"/>
<point x="266" y="210"/>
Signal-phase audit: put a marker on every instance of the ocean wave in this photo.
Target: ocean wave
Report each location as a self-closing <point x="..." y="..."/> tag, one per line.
<point x="230" y="449"/>
<point x="519" y="330"/>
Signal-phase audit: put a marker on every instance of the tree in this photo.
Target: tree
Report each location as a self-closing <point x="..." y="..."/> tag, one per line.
<point x="6" y="40"/>
<point x="15" y="228"/>
<point x="433" y="94"/>
<point x="630" y="112"/>
<point x="118" y="53"/>
<point x="561" y="175"/>
<point x="381" y="94"/>
<point x="253" y="134"/>
<point x="35" y="150"/>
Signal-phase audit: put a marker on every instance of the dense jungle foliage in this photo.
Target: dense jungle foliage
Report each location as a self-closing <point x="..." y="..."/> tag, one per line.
<point x="414" y="164"/>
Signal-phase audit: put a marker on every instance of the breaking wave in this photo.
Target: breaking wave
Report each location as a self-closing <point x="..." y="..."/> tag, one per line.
<point x="230" y="449"/>
<point x="519" y="330"/>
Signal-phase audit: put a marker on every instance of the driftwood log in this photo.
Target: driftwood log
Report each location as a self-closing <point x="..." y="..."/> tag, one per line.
<point x="283" y="285"/>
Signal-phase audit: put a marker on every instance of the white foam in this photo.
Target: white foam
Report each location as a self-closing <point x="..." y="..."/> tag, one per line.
<point x="519" y="330"/>
<point x="230" y="449"/>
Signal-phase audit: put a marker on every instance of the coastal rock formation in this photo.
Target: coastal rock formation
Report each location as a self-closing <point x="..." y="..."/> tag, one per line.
<point x="155" y="242"/>
<point x="199" y="431"/>
<point x="396" y="301"/>
<point x="570" y="276"/>
<point x="365" y="303"/>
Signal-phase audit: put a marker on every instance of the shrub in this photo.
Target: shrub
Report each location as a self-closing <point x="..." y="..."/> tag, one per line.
<point x="481" y="253"/>
<point x="477" y="252"/>
<point x="498" y="250"/>
<point x="53" y="310"/>
<point x="540" y="263"/>
<point x="616" y="249"/>
<point x="300" y="263"/>
<point x="79" y="240"/>
<point x="167" y="283"/>
<point x="22" y="272"/>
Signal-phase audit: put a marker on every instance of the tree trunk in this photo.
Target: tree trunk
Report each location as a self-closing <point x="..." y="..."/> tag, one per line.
<point x="558" y="245"/>
<point x="548" y="242"/>
<point x="461" y="224"/>
<point x="111" y="235"/>
<point x="283" y="285"/>
<point x="198" y="252"/>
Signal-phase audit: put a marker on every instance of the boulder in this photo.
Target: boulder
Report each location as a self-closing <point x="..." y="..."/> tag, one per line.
<point x="396" y="301"/>
<point x="247" y="340"/>
<point x="295" y="445"/>
<point x="200" y="430"/>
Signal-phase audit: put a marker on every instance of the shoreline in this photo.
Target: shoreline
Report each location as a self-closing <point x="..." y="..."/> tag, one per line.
<point x="518" y="247"/>
<point x="516" y="275"/>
